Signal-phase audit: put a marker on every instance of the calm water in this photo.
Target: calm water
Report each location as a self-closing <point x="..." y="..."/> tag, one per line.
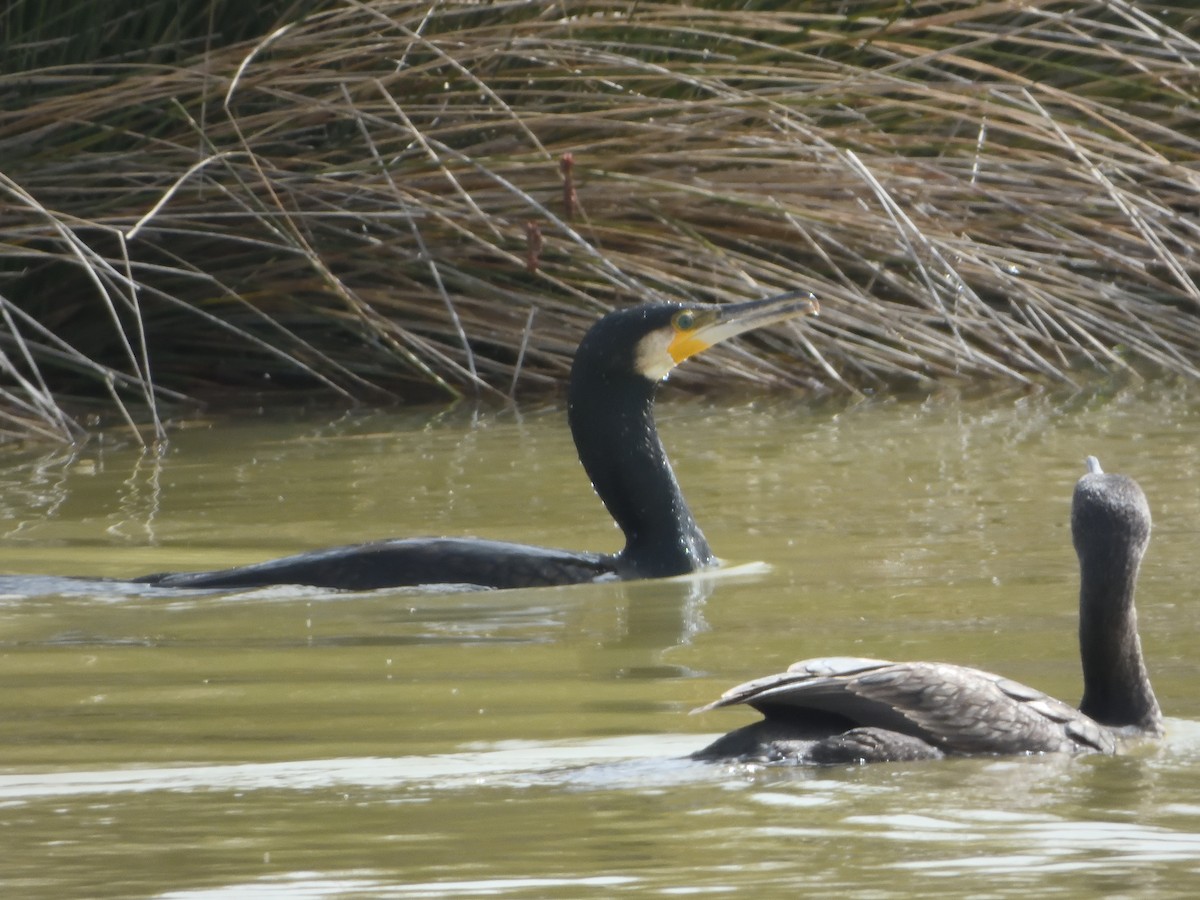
<point x="298" y="743"/>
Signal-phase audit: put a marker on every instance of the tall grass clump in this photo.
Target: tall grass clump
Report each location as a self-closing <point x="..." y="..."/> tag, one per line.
<point x="393" y="199"/>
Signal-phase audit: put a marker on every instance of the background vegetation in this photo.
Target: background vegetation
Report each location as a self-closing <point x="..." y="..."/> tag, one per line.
<point x="397" y="200"/>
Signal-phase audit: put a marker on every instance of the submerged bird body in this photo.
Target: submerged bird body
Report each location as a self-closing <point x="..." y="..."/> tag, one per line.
<point x="848" y="709"/>
<point x="407" y="561"/>
<point x="615" y="373"/>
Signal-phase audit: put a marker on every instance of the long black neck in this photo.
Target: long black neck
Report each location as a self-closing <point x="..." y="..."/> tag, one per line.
<point x="612" y="420"/>
<point x="1116" y="685"/>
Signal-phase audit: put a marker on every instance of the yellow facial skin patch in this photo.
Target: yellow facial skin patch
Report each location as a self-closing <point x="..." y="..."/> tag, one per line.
<point x="695" y="329"/>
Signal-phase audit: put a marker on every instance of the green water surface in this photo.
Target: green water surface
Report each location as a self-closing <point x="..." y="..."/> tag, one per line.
<point x="302" y="743"/>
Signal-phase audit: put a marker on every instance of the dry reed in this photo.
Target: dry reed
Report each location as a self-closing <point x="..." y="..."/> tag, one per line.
<point x="377" y="198"/>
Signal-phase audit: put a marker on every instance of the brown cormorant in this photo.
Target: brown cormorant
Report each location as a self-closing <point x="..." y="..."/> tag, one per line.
<point x="845" y="709"/>
<point x="618" y="365"/>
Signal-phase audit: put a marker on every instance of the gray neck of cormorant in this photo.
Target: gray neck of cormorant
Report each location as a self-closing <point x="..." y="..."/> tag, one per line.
<point x="1116" y="685"/>
<point x="612" y="420"/>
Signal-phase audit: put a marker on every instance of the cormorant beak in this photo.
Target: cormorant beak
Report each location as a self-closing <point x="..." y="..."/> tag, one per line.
<point x="698" y="328"/>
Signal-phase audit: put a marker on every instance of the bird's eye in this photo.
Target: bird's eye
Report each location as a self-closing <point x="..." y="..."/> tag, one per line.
<point x="685" y="321"/>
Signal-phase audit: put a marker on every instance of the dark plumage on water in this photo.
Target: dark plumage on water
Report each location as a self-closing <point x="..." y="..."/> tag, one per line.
<point x="615" y="374"/>
<point x="846" y="709"/>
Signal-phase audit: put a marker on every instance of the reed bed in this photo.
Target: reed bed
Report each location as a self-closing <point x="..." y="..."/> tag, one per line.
<point x="397" y="200"/>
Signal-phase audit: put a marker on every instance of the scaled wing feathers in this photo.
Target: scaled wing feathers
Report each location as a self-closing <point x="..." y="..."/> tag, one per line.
<point x="954" y="708"/>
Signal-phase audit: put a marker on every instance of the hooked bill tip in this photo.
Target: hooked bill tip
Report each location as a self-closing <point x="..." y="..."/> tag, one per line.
<point x="814" y="306"/>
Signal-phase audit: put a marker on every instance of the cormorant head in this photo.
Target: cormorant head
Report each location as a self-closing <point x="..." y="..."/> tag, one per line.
<point x="1110" y="519"/>
<point x="651" y="340"/>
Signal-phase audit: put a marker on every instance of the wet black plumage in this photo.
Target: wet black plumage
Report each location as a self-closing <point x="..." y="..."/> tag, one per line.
<point x="848" y="709"/>
<point x="614" y="376"/>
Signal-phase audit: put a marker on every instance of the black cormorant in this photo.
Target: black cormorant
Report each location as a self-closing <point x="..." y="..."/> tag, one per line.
<point x="618" y="365"/>
<point x="845" y="709"/>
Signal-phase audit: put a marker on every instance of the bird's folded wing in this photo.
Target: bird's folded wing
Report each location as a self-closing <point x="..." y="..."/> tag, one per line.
<point x="954" y="708"/>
